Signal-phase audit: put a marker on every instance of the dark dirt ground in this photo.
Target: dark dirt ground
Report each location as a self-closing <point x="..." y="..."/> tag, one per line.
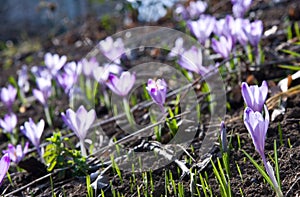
<point x="252" y="183"/>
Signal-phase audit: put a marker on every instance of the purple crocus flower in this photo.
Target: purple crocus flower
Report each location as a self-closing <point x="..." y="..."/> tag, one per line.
<point x="121" y="86"/>
<point x="23" y="82"/>
<point x="9" y="123"/>
<point x="257" y="126"/>
<point x="195" y="9"/>
<point x="219" y="26"/>
<point x="157" y="91"/>
<point x="203" y="27"/>
<point x="223" y="46"/>
<point x="254" y="32"/>
<point x="44" y="90"/>
<point x="178" y="48"/>
<point x="240" y="33"/>
<point x="68" y="77"/>
<point x="8" y="96"/>
<point x="192" y="60"/>
<point x="223" y="136"/>
<point x="88" y="66"/>
<point x="79" y="122"/>
<point x="240" y="7"/>
<point x="34" y="132"/>
<point x="101" y="73"/>
<point x="54" y="63"/>
<point x="4" y="166"/>
<point x="16" y="154"/>
<point x="113" y="50"/>
<point x="255" y="96"/>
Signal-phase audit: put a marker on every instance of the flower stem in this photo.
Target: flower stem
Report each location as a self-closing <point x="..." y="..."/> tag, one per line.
<point x="128" y="112"/>
<point x="48" y="117"/>
<point x="82" y="148"/>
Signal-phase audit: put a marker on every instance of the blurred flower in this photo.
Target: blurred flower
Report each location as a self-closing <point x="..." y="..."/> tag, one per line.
<point x="192" y="60"/>
<point x="195" y="9"/>
<point x="202" y="28"/>
<point x="113" y="50"/>
<point x="4" y="166"/>
<point x="151" y="10"/>
<point x="23" y="82"/>
<point x="16" y="154"/>
<point x="44" y="90"/>
<point x="101" y="73"/>
<point x="219" y="26"/>
<point x="240" y="7"/>
<point x="68" y="77"/>
<point x="9" y="123"/>
<point x="178" y="48"/>
<point x="54" y="63"/>
<point x="157" y="91"/>
<point x="88" y="66"/>
<point x="121" y="86"/>
<point x="223" y="46"/>
<point x="254" y="32"/>
<point x="257" y="126"/>
<point x="240" y="33"/>
<point x="8" y="96"/>
<point x="255" y="96"/>
<point x="79" y="122"/>
<point x="33" y="132"/>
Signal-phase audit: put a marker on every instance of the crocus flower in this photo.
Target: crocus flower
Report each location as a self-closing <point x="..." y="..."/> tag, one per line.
<point x="192" y="60"/>
<point x="257" y="126"/>
<point x="254" y="32"/>
<point x="223" y="136"/>
<point x="202" y="28"/>
<point x="44" y="90"/>
<point x="219" y="26"/>
<point x="240" y="7"/>
<point x="16" y="154"/>
<point x="240" y="33"/>
<point x="157" y="91"/>
<point x="113" y="50"/>
<point x="121" y="86"/>
<point x="255" y="96"/>
<point x="178" y="48"/>
<point x="195" y="9"/>
<point x="88" y="66"/>
<point x="54" y="63"/>
<point x="34" y="132"/>
<point x="68" y="77"/>
<point x="101" y="73"/>
<point x="79" y="122"/>
<point x="8" y="96"/>
<point x="9" y="122"/>
<point x="223" y="46"/>
<point x="4" y="165"/>
<point x="23" y="82"/>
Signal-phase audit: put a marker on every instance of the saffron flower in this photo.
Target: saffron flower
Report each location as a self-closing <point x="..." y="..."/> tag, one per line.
<point x="4" y="166"/>
<point x="255" y="96"/>
<point x="23" y="82"/>
<point x="157" y="91"/>
<point x="121" y="86"/>
<point x="223" y="46"/>
<point x="54" y="63"/>
<point x="178" y="48"/>
<point x="113" y="50"/>
<point x="44" y="89"/>
<point x="16" y="154"/>
<point x="240" y="7"/>
<point x="257" y="126"/>
<point x="254" y="32"/>
<point x="34" y="132"/>
<point x="89" y="65"/>
<point x="202" y="28"/>
<point x="195" y="9"/>
<point x="101" y="73"/>
<point x="9" y="123"/>
<point x="192" y="60"/>
<point x="79" y="122"/>
<point x="8" y="96"/>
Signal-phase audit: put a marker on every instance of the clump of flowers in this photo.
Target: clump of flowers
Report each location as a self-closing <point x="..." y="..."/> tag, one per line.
<point x="16" y="153"/>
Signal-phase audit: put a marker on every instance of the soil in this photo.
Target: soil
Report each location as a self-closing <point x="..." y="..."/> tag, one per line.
<point x="36" y="181"/>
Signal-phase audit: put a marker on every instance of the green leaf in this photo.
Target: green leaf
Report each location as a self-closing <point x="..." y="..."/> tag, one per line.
<point x="290" y="67"/>
<point x="293" y="53"/>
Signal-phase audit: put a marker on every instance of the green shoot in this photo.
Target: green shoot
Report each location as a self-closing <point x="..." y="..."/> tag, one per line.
<point x="89" y="187"/>
<point x="239" y="170"/>
<point x="276" y="165"/>
<point x="289" y="143"/>
<point x="280" y="134"/>
<point x="116" y="168"/>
